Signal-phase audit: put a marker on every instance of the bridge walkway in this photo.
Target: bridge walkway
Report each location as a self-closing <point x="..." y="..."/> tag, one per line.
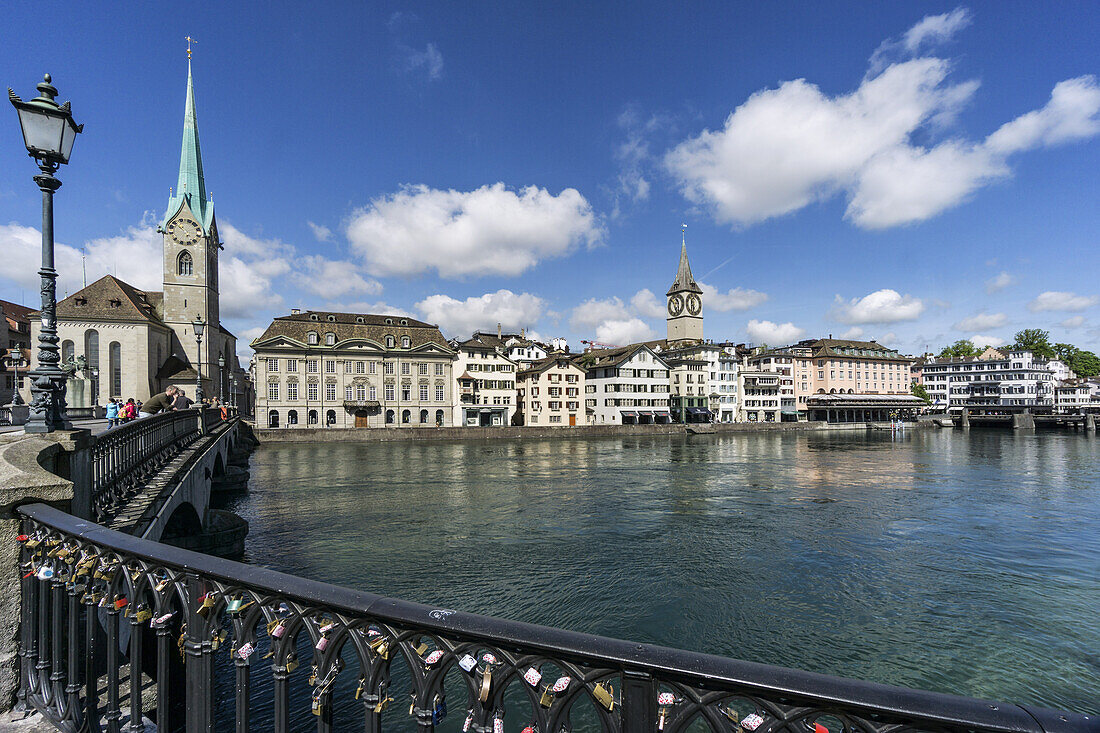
<point x="142" y="509"/>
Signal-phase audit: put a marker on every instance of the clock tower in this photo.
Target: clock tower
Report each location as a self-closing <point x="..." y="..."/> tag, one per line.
<point x="191" y="247"/>
<point x="685" y="304"/>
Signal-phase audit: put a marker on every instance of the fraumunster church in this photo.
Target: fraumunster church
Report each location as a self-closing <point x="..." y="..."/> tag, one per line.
<point x="137" y="342"/>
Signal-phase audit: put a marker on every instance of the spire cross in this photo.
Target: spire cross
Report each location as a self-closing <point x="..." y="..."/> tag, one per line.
<point x="683" y="234"/>
<point x="189" y="40"/>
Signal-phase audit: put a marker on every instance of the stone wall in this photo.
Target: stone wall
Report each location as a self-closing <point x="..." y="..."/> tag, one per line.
<point x="372" y="435"/>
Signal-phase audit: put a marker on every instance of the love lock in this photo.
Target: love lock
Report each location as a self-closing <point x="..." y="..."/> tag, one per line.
<point x="439" y="709"/>
<point x="486" y="683"/>
<point x="549" y="691"/>
<point x="752" y="721"/>
<point x="433" y="657"/>
<point x="605" y="695"/>
<point x="207" y="604"/>
<point x="532" y="676"/>
<point x="142" y="613"/>
<point x="665" y="700"/>
<point x="467" y="662"/>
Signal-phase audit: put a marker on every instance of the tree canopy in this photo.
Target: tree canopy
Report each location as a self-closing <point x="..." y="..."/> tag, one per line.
<point x="920" y="391"/>
<point x="1035" y="340"/>
<point x="960" y="349"/>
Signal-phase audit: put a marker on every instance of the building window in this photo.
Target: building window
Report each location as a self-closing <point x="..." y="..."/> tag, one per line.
<point x="406" y="417"/>
<point x="439" y="369"/>
<point x="390" y="342"/>
<point x="439" y="393"/>
<point x="311" y="366"/>
<point x="273" y="365"/>
<point x="273" y="390"/>
<point x="273" y="419"/>
<point x="406" y="393"/>
<point x="292" y="417"/>
<point x="330" y="339"/>
<point x="423" y="394"/>
<point x="388" y="368"/>
<point x="91" y="348"/>
<point x="389" y="393"/>
<point x="360" y="367"/>
<point x="360" y="392"/>
<point x="330" y="392"/>
<point x="68" y="352"/>
<point x="185" y="265"/>
<point x="405" y="343"/>
<point x="292" y="391"/>
<point x="405" y="368"/>
<point x="292" y="365"/>
<point x="373" y="367"/>
<point x="423" y="416"/>
<point x="311" y="418"/>
<point x="311" y="392"/>
<point x="330" y="367"/>
<point x="424" y="369"/>
<point x="312" y="338"/>
<point x="439" y="417"/>
<point x="330" y="417"/>
<point x="347" y="393"/>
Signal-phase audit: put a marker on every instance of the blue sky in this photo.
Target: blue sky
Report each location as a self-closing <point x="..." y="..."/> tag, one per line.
<point x="912" y="172"/>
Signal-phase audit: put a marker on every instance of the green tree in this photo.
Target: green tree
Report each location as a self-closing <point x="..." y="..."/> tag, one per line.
<point x="1083" y="363"/>
<point x="959" y="349"/>
<point x="920" y="391"/>
<point x="1035" y="340"/>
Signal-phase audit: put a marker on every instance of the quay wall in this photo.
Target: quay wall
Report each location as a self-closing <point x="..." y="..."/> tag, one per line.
<point x="382" y="435"/>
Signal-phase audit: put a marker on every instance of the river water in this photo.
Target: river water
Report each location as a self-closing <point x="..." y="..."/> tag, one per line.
<point x="960" y="562"/>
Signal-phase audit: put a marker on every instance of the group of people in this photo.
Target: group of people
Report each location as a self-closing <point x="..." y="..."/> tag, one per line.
<point x="172" y="398"/>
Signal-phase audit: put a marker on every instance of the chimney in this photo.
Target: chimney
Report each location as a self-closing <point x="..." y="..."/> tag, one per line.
<point x="295" y="311"/>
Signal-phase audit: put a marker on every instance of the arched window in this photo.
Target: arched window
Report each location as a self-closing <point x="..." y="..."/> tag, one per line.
<point x="439" y="417"/>
<point x="406" y="417"/>
<point x="330" y="339"/>
<point x="389" y="417"/>
<point x="312" y="417"/>
<point x="312" y="338"/>
<point x="313" y="316"/>
<point x="405" y="342"/>
<point x="68" y="351"/>
<point x="423" y="416"/>
<point x="292" y="417"/>
<point x="91" y="347"/>
<point x="332" y="319"/>
<point x="390" y="342"/>
<point x="330" y="417"/>
<point x="185" y="265"/>
<point x="114" y="358"/>
<point x="273" y="419"/>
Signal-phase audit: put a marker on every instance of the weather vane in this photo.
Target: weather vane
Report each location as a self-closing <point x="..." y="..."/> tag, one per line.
<point x="683" y="233"/>
<point x="189" y="40"/>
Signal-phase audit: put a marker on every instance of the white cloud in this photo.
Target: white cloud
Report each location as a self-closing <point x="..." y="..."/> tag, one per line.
<point x="379" y="308"/>
<point x="332" y="278"/>
<point x="633" y="155"/>
<point x="645" y="303"/>
<point x="888" y="339"/>
<point x="999" y="282"/>
<point x="320" y="231"/>
<point x="737" y="299"/>
<point x="430" y="60"/>
<point x="932" y="29"/>
<point x="773" y="334"/>
<point x="981" y="341"/>
<point x="854" y="333"/>
<point x="244" y="292"/>
<point x="623" y="331"/>
<point x="489" y="231"/>
<point x="592" y="312"/>
<point x="1073" y="322"/>
<point x="881" y="306"/>
<point x="512" y="311"/>
<point x="1054" y="300"/>
<point x="981" y="322"/>
<point x="786" y="148"/>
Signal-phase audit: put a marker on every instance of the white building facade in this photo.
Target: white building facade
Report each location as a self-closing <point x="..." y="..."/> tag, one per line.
<point x="625" y="386"/>
<point x="550" y="393"/>
<point x="485" y="382"/>
<point x="1017" y="379"/>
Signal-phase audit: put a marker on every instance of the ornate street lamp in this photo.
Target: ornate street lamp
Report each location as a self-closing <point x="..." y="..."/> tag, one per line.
<point x="48" y="133"/>
<point x="198" y="324"/>
<point x="221" y="378"/>
<point x="15" y="356"/>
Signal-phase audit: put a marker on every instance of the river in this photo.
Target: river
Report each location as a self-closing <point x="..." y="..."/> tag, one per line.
<point x="962" y="562"/>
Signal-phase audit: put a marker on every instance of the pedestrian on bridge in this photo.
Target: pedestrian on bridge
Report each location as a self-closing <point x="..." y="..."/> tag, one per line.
<point x="162" y="402"/>
<point x="112" y="413"/>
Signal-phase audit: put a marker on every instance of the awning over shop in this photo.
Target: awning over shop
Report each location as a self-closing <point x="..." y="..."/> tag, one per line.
<point x="661" y="413"/>
<point x="646" y="413"/>
<point x="698" y="410"/>
<point x="790" y="412"/>
<point x="629" y="413"/>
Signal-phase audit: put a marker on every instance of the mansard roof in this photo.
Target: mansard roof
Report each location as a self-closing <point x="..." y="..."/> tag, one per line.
<point x="111" y="299"/>
<point x="347" y="326"/>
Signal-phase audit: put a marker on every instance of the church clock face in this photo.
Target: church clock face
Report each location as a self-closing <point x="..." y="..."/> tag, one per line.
<point x="675" y="305"/>
<point x="694" y="305"/>
<point x="184" y="231"/>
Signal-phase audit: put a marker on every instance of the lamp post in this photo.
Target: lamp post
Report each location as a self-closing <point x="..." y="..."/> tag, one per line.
<point x="95" y="388"/>
<point x="221" y="378"/>
<point x="15" y="356"/>
<point x="48" y="134"/>
<point x="198" y="324"/>
<point x="233" y="399"/>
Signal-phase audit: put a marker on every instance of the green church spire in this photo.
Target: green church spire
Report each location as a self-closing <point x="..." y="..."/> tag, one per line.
<point x="191" y="187"/>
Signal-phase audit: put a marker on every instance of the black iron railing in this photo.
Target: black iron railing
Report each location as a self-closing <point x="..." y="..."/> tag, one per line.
<point x="84" y="584"/>
<point x="123" y="458"/>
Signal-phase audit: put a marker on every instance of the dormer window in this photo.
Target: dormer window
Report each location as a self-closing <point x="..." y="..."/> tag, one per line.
<point x="332" y="319"/>
<point x="115" y="303"/>
<point x="389" y="321"/>
<point x="81" y="301"/>
<point x="390" y="342"/>
<point x="312" y="338"/>
<point x="313" y="316"/>
<point x="405" y="342"/>
<point x="359" y="319"/>
<point x="404" y="322"/>
<point x="330" y="339"/>
<point x="185" y="266"/>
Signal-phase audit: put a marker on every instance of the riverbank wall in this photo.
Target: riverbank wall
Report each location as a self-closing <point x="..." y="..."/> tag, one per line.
<point x="382" y="435"/>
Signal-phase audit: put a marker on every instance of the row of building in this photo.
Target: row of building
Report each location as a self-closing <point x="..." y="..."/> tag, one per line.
<point x="322" y="369"/>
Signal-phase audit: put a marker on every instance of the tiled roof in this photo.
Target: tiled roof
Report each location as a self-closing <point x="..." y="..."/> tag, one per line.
<point x="16" y="311"/>
<point x="110" y="299"/>
<point x="354" y="326"/>
<point x="608" y="357"/>
<point x="543" y="364"/>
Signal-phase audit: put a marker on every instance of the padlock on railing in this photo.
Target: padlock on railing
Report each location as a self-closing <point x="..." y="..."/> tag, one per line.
<point x="752" y="721"/>
<point x="439" y="709"/>
<point x="549" y="692"/>
<point x="246" y="650"/>
<point x="433" y="657"/>
<point x="604" y="693"/>
<point x="532" y="676"/>
<point x="665" y="700"/>
<point x="498" y="722"/>
<point x="467" y="662"/>
<point x="161" y="620"/>
<point x="207" y="603"/>
<point x="217" y="637"/>
<point x="469" y="720"/>
<point x="162" y="584"/>
<point x="292" y="662"/>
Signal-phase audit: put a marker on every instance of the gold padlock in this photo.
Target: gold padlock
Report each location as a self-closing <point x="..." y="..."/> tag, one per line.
<point x="421" y="649"/>
<point x="207" y="604"/>
<point x="142" y="615"/>
<point x="486" y="683"/>
<point x="383" y="703"/>
<point x="547" y="698"/>
<point x="292" y="663"/>
<point x="159" y="587"/>
<point x="380" y="646"/>
<point x="605" y="695"/>
<point x="730" y="713"/>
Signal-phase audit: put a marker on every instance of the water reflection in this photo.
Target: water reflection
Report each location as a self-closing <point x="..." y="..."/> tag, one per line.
<point x="958" y="562"/>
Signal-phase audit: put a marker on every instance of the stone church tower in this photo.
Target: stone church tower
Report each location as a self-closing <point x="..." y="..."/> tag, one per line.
<point x="685" y="305"/>
<point x="191" y="248"/>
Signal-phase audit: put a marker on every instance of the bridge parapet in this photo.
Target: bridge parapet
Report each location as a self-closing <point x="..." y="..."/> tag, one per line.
<point x="77" y="572"/>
